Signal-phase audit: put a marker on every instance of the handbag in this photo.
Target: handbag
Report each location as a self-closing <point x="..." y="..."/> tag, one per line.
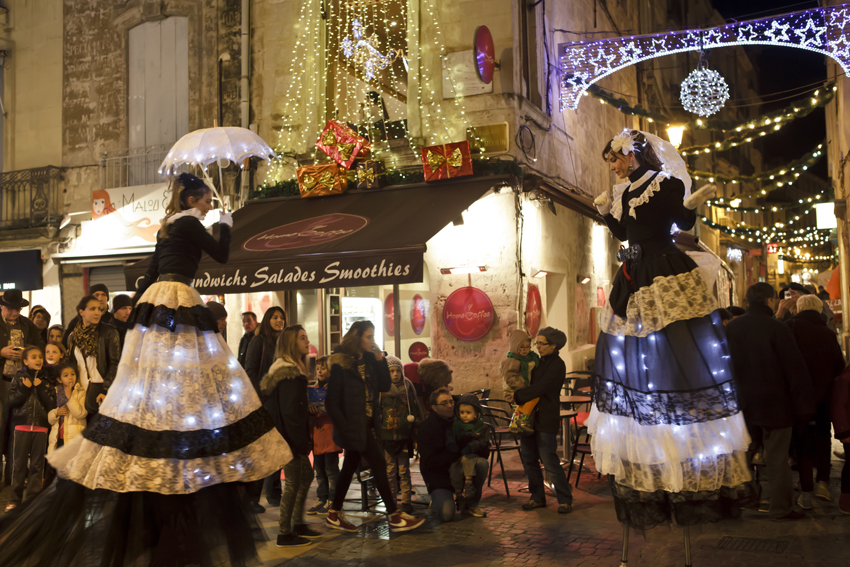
<point x="523" y="424"/>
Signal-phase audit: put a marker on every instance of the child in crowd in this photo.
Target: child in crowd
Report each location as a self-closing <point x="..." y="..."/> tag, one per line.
<point x="54" y="334"/>
<point x="54" y="355"/>
<point x="470" y="434"/>
<point x="325" y="451"/>
<point x="31" y="396"/>
<point x="69" y="418"/>
<point x="400" y="412"/>
<point x="516" y="372"/>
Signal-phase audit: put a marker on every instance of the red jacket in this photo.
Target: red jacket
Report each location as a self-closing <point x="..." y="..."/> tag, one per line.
<point x="840" y="409"/>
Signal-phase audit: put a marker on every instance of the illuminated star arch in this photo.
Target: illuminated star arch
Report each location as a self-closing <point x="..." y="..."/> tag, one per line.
<point x="822" y="30"/>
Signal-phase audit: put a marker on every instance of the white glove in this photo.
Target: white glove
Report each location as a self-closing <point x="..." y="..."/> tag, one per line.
<point x="226" y="218"/>
<point x="603" y="203"/>
<point x="700" y="196"/>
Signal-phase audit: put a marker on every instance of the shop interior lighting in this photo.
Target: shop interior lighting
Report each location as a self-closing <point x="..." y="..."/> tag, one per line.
<point x="582" y="279"/>
<point x="463" y="270"/>
<point x="540" y="274"/>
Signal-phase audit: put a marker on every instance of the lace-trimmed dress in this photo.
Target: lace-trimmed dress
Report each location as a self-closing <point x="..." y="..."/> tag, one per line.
<point x="665" y="422"/>
<point x="153" y="478"/>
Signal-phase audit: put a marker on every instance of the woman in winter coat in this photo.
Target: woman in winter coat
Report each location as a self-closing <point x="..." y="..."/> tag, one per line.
<point x="824" y="361"/>
<point x="95" y="347"/>
<point x="258" y="361"/>
<point x="359" y="374"/>
<point x="285" y="390"/>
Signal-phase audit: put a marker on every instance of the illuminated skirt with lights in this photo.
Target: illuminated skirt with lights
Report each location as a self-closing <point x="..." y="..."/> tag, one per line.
<point x="665" y="423"/>
<point x="155" y="476"/>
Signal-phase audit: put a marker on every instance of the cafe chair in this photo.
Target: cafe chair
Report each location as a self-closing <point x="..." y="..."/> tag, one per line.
<point x="498" y="420"/>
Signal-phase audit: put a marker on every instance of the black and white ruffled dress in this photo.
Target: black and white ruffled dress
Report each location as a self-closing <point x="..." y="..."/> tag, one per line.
<point x="665" y="422"/>
<point x="153" y="478"/>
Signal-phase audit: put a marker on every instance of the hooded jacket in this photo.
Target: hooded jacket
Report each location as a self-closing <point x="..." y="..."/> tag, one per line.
<point x="284" y="390"/>
<point x="467" y="441"/>
<point x="346" y="398"/>
<point x="29" y="405"/>
<point x="395" y="408"/>
<point x="512" y="368"/>
<point x="75" y="421"/>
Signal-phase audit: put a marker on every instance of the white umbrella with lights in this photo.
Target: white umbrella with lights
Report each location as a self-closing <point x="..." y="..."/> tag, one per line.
<point x="220" y="144"/>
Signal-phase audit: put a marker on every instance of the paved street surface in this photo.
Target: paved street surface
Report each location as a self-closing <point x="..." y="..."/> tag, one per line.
<point x="588" y="537"/>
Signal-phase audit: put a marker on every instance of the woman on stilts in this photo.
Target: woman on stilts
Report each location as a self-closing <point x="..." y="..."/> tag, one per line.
<point x="153" y="480"/>
<point x="665" y="423"/>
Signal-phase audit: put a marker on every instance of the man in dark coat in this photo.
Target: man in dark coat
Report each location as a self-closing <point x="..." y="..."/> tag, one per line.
<point x="16" y="332"/>
<point x="249" y="325"/>
<point x="774" y="390"/>
<point x="824" y="361"/>
<point x="122" y="306"/>
<point x="435" y="456"/>
<point x="547" y="379"/>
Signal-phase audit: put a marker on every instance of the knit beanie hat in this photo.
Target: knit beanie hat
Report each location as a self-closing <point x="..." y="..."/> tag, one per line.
<point x="393" y="361"/>
<point x="217" y="309"/>
<point x="98" y="287"/>
<point x="120" y="302"/>
<point x="554" y="336"/>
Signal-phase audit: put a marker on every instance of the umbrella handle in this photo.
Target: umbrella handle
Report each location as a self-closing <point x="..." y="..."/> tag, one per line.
<point x="214" y="190"/>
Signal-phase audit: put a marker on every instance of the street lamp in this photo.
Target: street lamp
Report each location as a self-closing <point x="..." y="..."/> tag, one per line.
<point x="675" y="134"/>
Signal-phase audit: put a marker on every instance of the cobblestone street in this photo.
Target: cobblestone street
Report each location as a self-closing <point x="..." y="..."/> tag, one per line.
<point x="589" y="537"/>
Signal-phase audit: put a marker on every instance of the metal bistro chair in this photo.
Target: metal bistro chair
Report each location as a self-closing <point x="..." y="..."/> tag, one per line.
<point x="492" y="417"/>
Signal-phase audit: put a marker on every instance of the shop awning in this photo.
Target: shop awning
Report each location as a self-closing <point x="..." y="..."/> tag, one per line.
<point x="360" y="238"/>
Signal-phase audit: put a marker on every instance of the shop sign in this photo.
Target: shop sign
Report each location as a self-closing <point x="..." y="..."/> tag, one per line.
<point x="418" y="351"/>
<point x="296" y="273"/>
<point x="468" y="314"/>
<point x="773" y="248"/>
<point x="533" y="310"/>
<point x="389" y="314"/>
<point x="125" y="217"/>
<point x="305" y="233"/>
<point x="485" y="54"/>
<point x="418" y="313"/>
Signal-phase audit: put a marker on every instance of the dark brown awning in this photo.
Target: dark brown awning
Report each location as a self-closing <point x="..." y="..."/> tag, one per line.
<point x="360" y="238"/>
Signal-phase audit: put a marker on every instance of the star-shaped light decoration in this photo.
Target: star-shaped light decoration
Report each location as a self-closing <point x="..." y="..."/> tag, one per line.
<point x="813" y="39"/>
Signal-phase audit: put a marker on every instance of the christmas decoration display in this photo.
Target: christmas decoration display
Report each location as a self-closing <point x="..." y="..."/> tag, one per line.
<point x="321" y="180"/>
<point x="370" y="175"/>
<point x="822" y="30"/>
<point x="748" y="128"/>
<point x="704" y="91"/>
<point x="364" y="50"/>
<point x="342" y="144"/>
<point x="446" y="161"/>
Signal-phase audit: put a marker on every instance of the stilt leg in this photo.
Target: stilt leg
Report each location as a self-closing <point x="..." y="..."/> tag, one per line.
<point x="687" y="546"/>
<point x="624" y="560"/>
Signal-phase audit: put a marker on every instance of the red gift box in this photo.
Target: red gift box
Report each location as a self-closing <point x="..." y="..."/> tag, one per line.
<point x="321" y="180"/>
<point x="446" y="161"/>
<point x="342" y="144"/>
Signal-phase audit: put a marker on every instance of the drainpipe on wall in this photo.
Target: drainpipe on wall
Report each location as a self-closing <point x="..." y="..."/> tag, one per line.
<point x="246" y="89"/>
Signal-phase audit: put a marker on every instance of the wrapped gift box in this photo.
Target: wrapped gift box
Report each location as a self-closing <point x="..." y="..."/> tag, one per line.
<point x="370" y="175"/>
<point x="321" y="180"/>
<point x="342" y="144"/>
<point x="446" y="161"/>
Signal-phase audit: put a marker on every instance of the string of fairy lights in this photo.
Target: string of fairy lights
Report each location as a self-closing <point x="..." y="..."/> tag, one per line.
<point x="346" y="36"/>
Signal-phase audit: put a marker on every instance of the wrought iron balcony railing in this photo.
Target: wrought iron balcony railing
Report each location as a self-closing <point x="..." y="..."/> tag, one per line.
<point x="31" y="198"/>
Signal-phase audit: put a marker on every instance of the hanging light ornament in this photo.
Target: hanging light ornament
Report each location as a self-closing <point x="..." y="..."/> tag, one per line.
<point x="705" y="91"/>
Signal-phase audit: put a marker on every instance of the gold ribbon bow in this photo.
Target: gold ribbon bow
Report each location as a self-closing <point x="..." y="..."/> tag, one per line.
<point x="309" y="182"/>
<point x="455" y="160"/>
<point x="434" y="160"/>
<point x="329" y="138"/>
<point x="326" y="180"/>
<point x="365" y="175"/>
<point x="345" y="151"/>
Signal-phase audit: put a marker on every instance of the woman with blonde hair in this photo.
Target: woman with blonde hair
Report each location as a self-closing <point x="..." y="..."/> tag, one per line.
<point x="285" y="390"/>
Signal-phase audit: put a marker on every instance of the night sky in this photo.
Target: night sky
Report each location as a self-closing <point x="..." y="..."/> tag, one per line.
<point x="781" y="69"/>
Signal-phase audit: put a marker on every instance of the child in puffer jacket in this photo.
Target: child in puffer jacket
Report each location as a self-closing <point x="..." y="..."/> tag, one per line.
<point x="400" y="412"/>
<point x="516" y="373"/>
<point x="31" y="396"/>
<point x="840" y="413"/>
<point x="470" y="433"/>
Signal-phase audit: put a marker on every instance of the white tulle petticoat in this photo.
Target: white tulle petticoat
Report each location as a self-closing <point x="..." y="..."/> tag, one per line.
<point x="181" y="414"/>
